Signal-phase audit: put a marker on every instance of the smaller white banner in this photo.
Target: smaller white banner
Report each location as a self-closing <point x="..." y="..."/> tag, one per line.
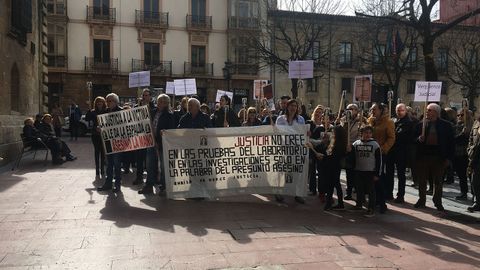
<point x="170" y="88"/>
<point x="428" y="91"/>
<point x="221" y="93"/>
<point x="185" y="87"/>
<point x="300" y="69"/>
<point x="258" y="88"/>
<point x="362" y="91"/>
<point x="139" y="79"/>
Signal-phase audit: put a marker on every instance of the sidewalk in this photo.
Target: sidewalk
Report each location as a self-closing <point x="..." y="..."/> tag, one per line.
<point x="53" y="218"/>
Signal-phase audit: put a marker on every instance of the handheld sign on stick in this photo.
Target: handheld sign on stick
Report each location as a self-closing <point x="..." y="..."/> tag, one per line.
<point x="244" y="105"/>
<point x="348" y="116"/>
<point x="341" y="106"/>
<point x="465" y="112"/>
<point x="427" y="92"/>
<point x="390" y="99"/>
<point x="225" y="122"/>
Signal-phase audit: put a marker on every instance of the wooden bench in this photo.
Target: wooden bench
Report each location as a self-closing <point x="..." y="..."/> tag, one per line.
<point x="31" y="145"/>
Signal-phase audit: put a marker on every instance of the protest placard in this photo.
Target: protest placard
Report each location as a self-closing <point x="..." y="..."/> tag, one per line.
<point x="139" y="79"/>
<point x="232" y="161"/>
<point x="220" y="93"/>
<point x="170" y="88"/>
<point x="428" y="91"/>
<point x="126" y="130"/>
<point x="258" y="88"/>
<point x="362" y="91"/>
<point x="300" y="69"/>
<point x="185" y="87"/>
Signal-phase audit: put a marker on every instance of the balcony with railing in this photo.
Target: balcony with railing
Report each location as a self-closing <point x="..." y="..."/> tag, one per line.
<point x="205" y="69"/>
<point x="346" y="62"/>
<point x="57" y="61"/>
<point x="97" y="65"/>
<point x="101" y="15"/>
<point x="200" y="23"/>
<point x="243" y="23"/>
<point x="163" y="68"/>
<point x="245" y="69"/>
<point x="151" y="19"/>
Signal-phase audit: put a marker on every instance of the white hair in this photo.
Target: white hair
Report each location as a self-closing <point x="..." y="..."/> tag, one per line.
<point x="195" y="101"/>
<point x="114" y="97"/>
<point x="163" y="97"/>
<point x="353" y="106"/>
<point x="401" y="105"/>
<point x="435" y="107"/>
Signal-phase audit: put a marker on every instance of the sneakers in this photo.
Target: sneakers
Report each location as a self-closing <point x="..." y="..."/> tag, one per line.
<point x="462" y="196"/>
<point x="370" y="213"/>
<point x="474" y="207"/>
<point x="146" y="190"/>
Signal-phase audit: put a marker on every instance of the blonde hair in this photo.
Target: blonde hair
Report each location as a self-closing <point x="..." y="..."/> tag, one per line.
<point x="319" y="107"/>
<point x="46" y="115"/>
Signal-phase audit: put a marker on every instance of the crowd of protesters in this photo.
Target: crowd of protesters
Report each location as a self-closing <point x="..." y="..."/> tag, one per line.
<point x="367" y="143"/>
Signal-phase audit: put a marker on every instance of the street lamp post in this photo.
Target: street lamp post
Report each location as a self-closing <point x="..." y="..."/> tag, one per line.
<point x="227" y="73"/>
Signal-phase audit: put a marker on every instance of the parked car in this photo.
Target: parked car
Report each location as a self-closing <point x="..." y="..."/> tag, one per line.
<point x="84" y="128"/>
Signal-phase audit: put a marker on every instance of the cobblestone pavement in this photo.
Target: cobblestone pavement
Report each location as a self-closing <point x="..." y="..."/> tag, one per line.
<point x="52" y="218"/>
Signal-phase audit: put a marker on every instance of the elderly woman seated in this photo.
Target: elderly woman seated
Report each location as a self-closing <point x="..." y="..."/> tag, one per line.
<point x="57" y="147"/>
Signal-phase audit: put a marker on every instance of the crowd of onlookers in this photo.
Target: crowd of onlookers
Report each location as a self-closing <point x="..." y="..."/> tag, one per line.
<point x="370" y="145"/>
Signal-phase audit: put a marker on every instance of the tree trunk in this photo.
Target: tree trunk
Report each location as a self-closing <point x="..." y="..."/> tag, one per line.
<point x="294" y="88"/>
<point x="430" y="69"/>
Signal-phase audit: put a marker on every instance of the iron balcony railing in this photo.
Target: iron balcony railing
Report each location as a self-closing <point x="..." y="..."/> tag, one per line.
<point x="245" y="69"/>
<point x="101" y="65"/>
<point x="199" y="22"/>
<point x="155" y="67"/>
<point x="101" y="14"/>
<point x="205" y="69"/>
<point x="243" y="23"/>
<point x="58" y="61"/>
<point x="150" y="18"/>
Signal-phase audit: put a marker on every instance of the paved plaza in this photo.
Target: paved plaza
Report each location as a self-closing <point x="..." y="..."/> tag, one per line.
<point x="53" y="218"/>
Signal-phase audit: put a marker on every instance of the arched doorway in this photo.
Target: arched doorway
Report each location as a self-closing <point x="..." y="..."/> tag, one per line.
<point x="15" y="89"/>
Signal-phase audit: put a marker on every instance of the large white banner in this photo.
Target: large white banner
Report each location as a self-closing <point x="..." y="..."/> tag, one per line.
<point x="231" y="161"/>
<point x="126" y="130"/>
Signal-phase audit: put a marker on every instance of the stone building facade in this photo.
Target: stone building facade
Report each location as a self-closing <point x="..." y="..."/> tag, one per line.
<point x="23" y="71"/>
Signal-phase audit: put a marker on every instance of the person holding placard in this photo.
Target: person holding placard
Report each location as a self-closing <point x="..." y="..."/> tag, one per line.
<point x="225" y="116"/>
<point x="384" y="134"/>
<point x="113" y="160"/>
<point x="434" y="154"/>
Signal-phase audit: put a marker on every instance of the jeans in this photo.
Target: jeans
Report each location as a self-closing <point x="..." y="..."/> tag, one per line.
<point x="364" y="184"/>
<point x="114" y="166"/>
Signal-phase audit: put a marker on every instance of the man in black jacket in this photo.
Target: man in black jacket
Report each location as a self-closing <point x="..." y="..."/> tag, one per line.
<point x="435" y="151"/>
<point x="194" y="118"/>
<point x="162" y="118"/>
<point x="397" y="157"/>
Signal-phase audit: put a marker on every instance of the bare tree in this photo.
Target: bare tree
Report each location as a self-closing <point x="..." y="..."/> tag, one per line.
<point x="293" y="32"/>
<point x="417" y="14"/>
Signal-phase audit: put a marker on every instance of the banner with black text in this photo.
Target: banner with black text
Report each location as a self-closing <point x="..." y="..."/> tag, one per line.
<point x="220" y="162"/>
<point x="126" y="130"/>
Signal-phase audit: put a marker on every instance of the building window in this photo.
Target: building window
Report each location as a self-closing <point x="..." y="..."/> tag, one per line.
<point x="472" y="56"/>
<point x="56" y="45"/>
<point x="199" y="8"/>
<point x="101" y="8"/>
<point x="101" y="51"/>
<point x="56" y="7"/>
<point x="21" y="19"/>
<point x="444" y="87"/>
<point x="411" y="84"/>
<point x="412" y="58"/>
<point x="198" y="56"/>
<point x="347" y="85"/>
<point x="151" y="5"/>
<point x="345" y="55"/>
<point x="443" y="60"/>
<point x="378" y="53"/>
<point x="312" y="84"/>
<point x="151" y="53"/>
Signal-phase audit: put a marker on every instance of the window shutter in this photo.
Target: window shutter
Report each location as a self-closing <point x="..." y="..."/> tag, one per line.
<point x="27" y="15"/>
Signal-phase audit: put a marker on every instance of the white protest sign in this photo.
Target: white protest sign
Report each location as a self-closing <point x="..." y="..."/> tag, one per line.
<point x="170" y="88"/>
<point x="300" y="69"/>
<point x="362" y="91"/>
<point x="139" y="79"/>
<point x="220" y="162"/>
<point x="126" y="130"/>
<point x="221" y="93"/>
<point x="185" y="87"/>
<point x="428" y="91"/>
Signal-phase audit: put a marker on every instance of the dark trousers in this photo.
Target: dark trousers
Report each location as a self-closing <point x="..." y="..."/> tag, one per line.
<point x="58" y="131"/>
<point x="74" y="125"/>
<point x="312" y="174"/>
<point x="460" y="165"/>
<point x="140" y="157"/>
<point x="99" y="154"/>
<point x="333" y="181"/>
<point x="322" y="178"/>
<point x="113" y="170"/>
<point x="152" y="167"/>
<point x="350" y="181"/>
<point x="380" y="185"/>
<point x="396" y="159"/>
<point x="127" y="159"/>
<point x="430" y="167"/>
<point x="365" y="185"/>
<point x="476" y="183"/>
